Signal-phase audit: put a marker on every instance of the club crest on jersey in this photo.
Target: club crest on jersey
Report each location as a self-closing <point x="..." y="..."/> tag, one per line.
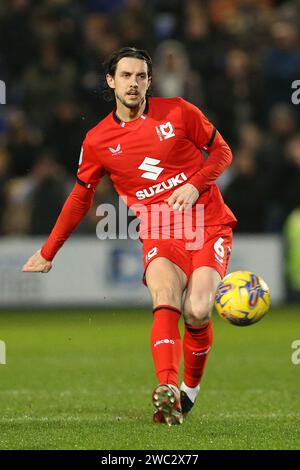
<point x="115" y="151"/>
<point x="165" y="131"/>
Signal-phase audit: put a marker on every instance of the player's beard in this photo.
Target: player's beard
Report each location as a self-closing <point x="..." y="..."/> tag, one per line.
<point x="135" y="105"/>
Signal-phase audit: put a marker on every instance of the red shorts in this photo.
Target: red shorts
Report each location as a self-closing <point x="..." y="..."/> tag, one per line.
<point x="215" y="251"/>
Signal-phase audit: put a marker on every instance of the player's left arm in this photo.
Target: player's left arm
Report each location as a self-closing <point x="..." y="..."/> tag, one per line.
<point x="206" y="137"/>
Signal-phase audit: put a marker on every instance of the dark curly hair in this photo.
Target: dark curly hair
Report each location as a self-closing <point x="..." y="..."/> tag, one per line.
<point x="110" y="65"/>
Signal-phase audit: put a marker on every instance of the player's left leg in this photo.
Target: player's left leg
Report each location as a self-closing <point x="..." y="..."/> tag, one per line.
<point x="209" y="267"/>
<point x="198" y="331"/>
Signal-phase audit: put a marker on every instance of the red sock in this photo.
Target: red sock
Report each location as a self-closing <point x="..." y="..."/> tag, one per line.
<point x="197" y="342"/>
<point x="166" y="343"/>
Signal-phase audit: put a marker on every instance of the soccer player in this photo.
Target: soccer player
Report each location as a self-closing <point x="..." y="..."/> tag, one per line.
<point x="154" y="150"/>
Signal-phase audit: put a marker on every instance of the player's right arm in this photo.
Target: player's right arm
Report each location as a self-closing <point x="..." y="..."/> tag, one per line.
<point x="73" y="211"/>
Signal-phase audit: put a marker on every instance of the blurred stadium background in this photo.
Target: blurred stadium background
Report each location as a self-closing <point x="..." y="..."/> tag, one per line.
<point x="236" y="59"/>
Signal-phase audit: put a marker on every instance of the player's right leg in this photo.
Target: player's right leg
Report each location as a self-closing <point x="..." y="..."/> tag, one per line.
<point x="166" y="282"/>
<point x="209" y="265"/>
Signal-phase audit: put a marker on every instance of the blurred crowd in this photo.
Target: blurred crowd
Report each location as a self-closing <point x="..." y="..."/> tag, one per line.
<point x="236" y="59"/>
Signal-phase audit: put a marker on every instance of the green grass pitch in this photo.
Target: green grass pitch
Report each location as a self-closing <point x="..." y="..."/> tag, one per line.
<point x="83" y="380"/>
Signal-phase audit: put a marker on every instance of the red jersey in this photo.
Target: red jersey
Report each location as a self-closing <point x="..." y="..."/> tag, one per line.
<point x="146" y="160"/>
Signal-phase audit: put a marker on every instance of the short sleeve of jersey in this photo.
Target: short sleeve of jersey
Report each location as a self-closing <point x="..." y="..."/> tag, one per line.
<point x="198" y="128"/>
<point x="90" y="170"/>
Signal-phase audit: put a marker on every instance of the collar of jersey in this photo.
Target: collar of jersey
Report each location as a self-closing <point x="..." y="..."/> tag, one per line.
<point x="128" y="123"/>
